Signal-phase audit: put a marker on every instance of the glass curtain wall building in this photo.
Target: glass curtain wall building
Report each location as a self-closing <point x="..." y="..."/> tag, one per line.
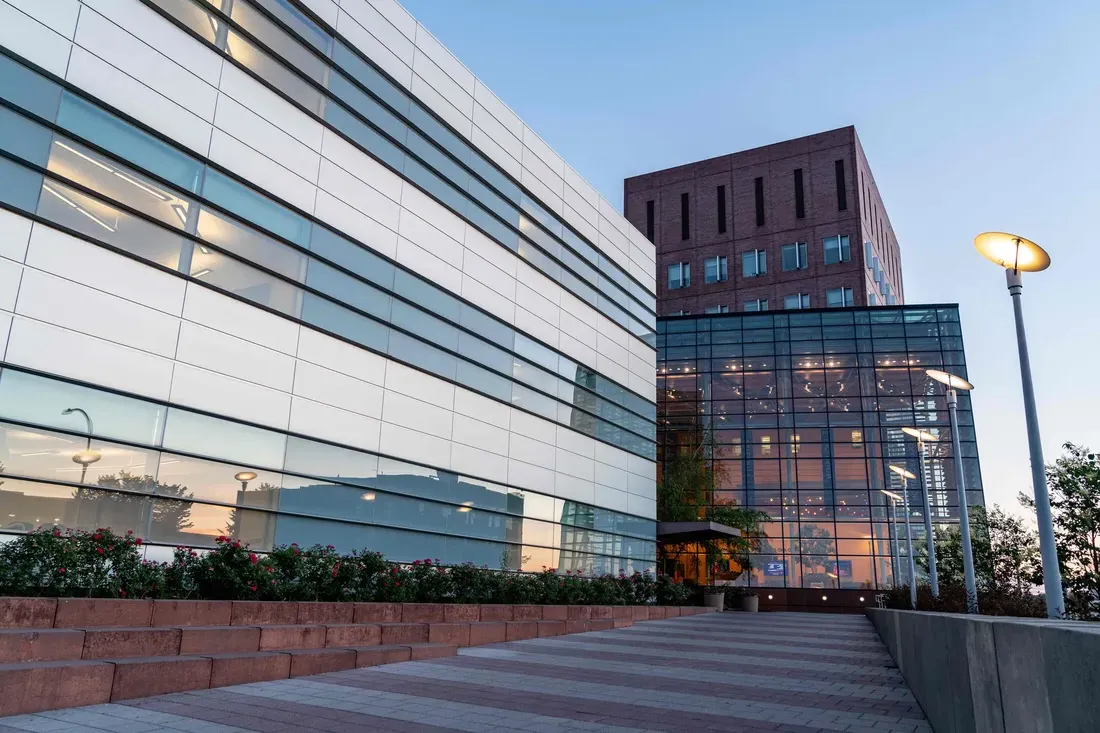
<point x="288" y="271"/>
<point x="806" y="410"/>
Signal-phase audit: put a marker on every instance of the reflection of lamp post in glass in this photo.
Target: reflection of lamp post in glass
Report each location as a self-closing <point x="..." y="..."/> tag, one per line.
<point x="923" y="439"/>
<point x="87" y="456"/>
<point x="244" y="477"/>
<point x="956" y="383"/>
<point x="1017" y="255"/>
<point x="905" y="476"/>
<point x="894" y="499"/>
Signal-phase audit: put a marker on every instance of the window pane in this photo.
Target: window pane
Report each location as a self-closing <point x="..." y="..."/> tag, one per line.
<point x="50" y="455"/>
<point x="266" y="67"/>
<point x="192" y="16"/>
<point x="331" y="317"/>
<point x="347" y="254"/>
<point x="23" y="138"/>
<point x="256" y="208"/>
<point x="30" y="398"/>
<point x="370" y="78"/>
<point x="210" y="436"/>
<point x="366" y="136"/>
<point x="298" y="22"/>
<point x="330" y="461"/>
<point x="220" y="482"/>
<point x="365" y="105"/>
<point x="27" y="89"/>
<point x="109" y="224"/>
<point x="26" y="505"/>
<point x="84" y="166"/>
<point x="235" y="237"/>
<point x="346" y="289"/>
<point x="19" y="187"/>
<point x="129" y="143"/>
<point x="226" y="273"/>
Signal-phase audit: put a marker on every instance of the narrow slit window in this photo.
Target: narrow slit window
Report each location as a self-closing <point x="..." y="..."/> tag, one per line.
<point x="685" y="227"/>
<point x="649" y="220"/>
<point x="799" y="195"/>
<point x="759" y="191"/>
<point x="721" y="209"/>
<point x="841" y="188"/>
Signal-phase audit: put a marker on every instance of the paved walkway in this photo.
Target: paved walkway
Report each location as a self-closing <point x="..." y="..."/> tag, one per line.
<point x="776" y="672"/>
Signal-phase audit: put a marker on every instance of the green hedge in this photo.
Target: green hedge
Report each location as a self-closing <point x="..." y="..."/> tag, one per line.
<point x="103" y="564"/>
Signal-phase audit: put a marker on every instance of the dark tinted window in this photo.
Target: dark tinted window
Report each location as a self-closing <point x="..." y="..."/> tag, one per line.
<point x="841" y="189"/>
<point x="758" y="185"/>
<point x="799" y="195"/>
<point x="721" y="209"/>
<point x="685" y="228"/>
<point x="649" y="220"/>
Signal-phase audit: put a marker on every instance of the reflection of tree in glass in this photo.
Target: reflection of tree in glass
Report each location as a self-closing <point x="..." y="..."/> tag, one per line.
<point x="817" y="552"/>
<point x="129" y="511"/>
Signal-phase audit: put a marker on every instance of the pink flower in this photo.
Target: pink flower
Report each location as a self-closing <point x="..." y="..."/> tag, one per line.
<point x="137" y="541"/>
<point x="61" y="570"/>
<point x="252" y="558"/>
<point x="122" y="592"/>
<point x="97" y="536"/>
<point x="99" y="550"/>
<point x="252" y="587"/>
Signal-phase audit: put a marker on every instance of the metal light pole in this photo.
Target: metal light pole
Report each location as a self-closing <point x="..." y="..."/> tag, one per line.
<point x="955" y="383"/>
<point x="905" y="476"/>
<point x="894" y="498"/>
<point x="923" y="438"/>
<point x="87" y="456"/>
<point x="1017" y="255"/>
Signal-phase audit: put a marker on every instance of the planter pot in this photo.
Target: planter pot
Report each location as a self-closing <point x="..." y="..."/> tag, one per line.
<point x="714" y="600"/>
<point x="750" y="603"/>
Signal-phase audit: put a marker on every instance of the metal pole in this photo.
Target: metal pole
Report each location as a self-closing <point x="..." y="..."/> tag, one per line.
<point x="1052" y="576"/>
<point x="929" y="537"/>
<point x="897" y="552"/>
<point x="909" y="541"/>
<point x="964" y="510"/>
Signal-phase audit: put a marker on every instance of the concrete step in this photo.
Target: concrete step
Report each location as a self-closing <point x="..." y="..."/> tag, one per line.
<point x="32" y="687"/>
<point x="87" y="613"/>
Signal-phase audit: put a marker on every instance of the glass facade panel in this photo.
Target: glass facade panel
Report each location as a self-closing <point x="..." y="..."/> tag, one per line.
<point x="807" y="410"/>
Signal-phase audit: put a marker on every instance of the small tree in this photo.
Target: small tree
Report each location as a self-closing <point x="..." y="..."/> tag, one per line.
<point x="686" y="493"/>
<point x="1074" y="483"/>
<point x="1004" y="547"/>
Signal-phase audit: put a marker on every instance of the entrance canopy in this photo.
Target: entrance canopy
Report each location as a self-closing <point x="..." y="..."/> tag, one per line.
<point x="676" y="532"/>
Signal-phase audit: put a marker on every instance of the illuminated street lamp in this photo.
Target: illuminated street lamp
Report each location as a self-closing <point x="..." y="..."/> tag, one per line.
<point x="244" y="477"/>
<point x="894" y="499"/>
<point x="955" y="383"/>
<point x="1018" y="255"/>
<point x="905" y="476"/>
<point x="923" y="439"/>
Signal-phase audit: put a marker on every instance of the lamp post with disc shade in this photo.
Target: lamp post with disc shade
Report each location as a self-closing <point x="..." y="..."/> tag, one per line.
<point x="905" y="476"/>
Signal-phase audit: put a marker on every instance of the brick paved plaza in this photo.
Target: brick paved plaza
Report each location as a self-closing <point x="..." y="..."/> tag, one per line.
<point x="790" y="672"/>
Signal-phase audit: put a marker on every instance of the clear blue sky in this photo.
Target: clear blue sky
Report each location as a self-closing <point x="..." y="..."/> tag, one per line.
<point x="974" y="114"/>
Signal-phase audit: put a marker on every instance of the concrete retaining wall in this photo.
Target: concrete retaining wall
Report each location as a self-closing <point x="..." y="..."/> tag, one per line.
<point x="997" y="675"/>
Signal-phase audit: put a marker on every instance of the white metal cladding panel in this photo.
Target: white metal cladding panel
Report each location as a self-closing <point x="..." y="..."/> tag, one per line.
<point x="319" y="420"/>
<point x="143" y="22"/>
<point x="262" y="171"/>
<point x="10" y="274"/>
<point x="359" y="195"/>
<point x="337" y="390"/>
<point x="209" y="349"/>
<point x="32" y="40"/>
<point x="266" y="104"/>
<point x="46" y="297"/>
<point x="15" y="233"/>
<point x="362" y="166"/>
<point x="80" y="261"/>
<point x="58" y="15"/>
<point x="51" y="349"/>
<point x="165" y="76"/>
<point x="221" y="312"/>
<point x="104" y="81"/>
<point x="341" y="357"/>
<point x="5" y="329"/>
<point x="445" y="86"/>
<point x="267" y="139"/>
<point x="377" y="49"/>
<point x="240" y="153"/>
<point x="476" y="462"/>
<point x="225" y="395"/>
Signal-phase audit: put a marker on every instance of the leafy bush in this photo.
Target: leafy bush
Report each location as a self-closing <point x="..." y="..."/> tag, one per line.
<point x="103" y="564"/>
<point x="991" y="602"/>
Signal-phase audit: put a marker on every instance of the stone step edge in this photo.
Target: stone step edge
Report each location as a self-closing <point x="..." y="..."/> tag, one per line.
<point x="39" y="613"/>
<point x="32" y="687"/>
<point x="41" y="686"/>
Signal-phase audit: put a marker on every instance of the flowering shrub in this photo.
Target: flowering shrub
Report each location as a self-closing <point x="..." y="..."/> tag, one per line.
<point x="103" y="564"/>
